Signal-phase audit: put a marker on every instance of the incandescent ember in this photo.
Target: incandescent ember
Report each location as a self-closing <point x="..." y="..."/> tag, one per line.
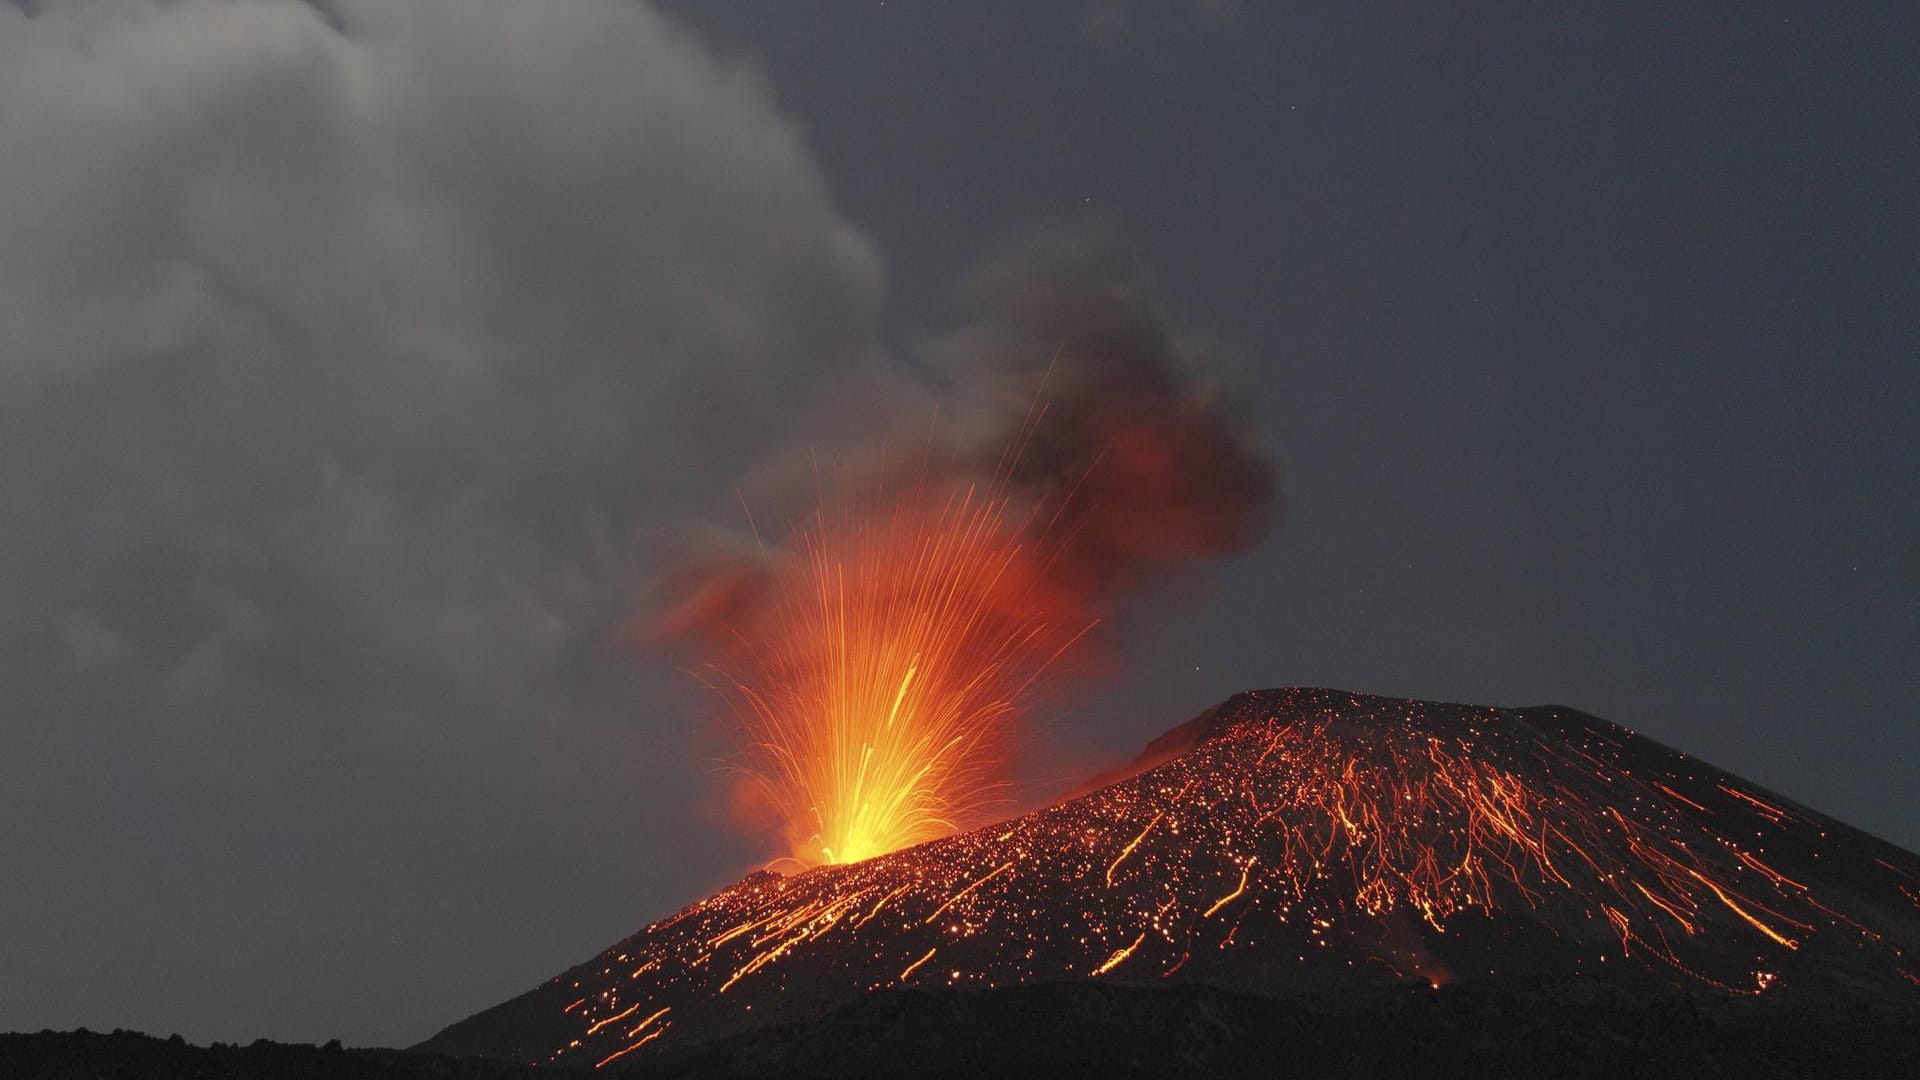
<point x="1289" y="840"/>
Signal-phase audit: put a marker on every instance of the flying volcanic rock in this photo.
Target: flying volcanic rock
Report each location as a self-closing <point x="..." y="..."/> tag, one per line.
<point x="1287" y="840"/>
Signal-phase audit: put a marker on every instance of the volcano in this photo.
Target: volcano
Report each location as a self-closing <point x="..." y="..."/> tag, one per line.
<point x="1288" y="842"/>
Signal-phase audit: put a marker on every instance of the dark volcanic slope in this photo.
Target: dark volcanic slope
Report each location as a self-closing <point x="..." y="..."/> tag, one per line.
<point x="1307" y="839"/>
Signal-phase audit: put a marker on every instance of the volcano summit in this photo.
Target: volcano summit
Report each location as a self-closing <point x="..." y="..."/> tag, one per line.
<point x="1287" y="842"/>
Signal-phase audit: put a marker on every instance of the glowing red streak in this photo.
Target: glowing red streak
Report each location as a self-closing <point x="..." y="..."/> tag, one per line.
<point x="915" y="966"/>
<point x="875" y="699"/>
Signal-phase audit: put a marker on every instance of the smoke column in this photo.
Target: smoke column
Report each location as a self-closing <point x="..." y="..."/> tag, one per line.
<point x="881" y="647"/>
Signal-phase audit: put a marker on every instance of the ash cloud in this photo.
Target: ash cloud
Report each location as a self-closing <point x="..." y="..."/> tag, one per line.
<point x="1145" y="466"/>
<point x="1066" y="390"/>
<point x="341" y="347"/>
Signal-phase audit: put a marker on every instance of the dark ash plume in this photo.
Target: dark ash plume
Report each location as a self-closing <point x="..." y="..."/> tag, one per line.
<point x="1140" y="465"/>
<point x="1065" y="391"/>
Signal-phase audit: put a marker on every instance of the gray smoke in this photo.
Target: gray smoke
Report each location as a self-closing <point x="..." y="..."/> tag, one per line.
<point x="1066" y="391"/>
<point x="1142" y="462"/>
<point x="342" y="348"/>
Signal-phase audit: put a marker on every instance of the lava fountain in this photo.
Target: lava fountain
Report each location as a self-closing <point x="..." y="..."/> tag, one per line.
<point x="877" y="695"/>
<point x="878" y="660"/>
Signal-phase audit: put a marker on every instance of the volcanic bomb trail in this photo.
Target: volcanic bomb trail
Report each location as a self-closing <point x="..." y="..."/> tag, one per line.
<point x="1295" y="839"/>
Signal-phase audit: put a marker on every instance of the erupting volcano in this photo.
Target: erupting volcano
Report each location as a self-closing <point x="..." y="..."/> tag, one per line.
<point x="1287" y="840"/>
<point x="878" y="657"/>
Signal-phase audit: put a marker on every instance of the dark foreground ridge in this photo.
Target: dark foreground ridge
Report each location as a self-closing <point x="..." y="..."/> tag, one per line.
<point x="1306" y="846"/>
<point x="1485" y="1030"/>
<point x="130" y="1055"/>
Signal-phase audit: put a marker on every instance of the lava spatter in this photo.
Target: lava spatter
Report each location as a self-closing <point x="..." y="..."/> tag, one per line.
<point x="1304" y="838"/>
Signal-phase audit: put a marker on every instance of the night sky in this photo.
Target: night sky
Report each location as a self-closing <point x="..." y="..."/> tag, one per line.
<point x="356" y="358"/>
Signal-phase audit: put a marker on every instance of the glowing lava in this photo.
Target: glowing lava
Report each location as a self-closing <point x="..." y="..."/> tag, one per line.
<point x="877" y="694"/>
<point x="1302" y="840"/>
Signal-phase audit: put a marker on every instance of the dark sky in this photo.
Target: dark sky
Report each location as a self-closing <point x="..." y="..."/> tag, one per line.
<point x="353" y="355"/>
